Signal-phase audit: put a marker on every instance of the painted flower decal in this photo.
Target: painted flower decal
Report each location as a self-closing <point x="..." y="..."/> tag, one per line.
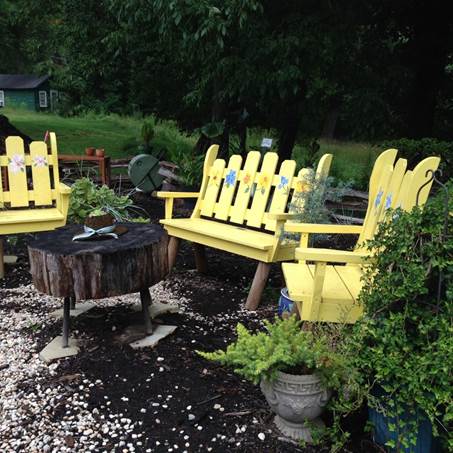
<point x="246" y="180"/>
<point x="283" y="182"/>
<point x="377" y="202"/>
<point x="230" y="178"/>
<point x="40" y="161"/>
<point x="263" y="182"/>
<point x="215" y="178"/>
<point x="301" y="186"/>
<point x="16" y="163"/>
<point x="388" y="201"/>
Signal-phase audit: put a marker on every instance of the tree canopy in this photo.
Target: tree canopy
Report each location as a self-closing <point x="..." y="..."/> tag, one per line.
<point x="363" y="70"/>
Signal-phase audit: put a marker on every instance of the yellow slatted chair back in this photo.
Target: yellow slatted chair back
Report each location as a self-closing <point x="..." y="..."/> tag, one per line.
<point x="29" y="177"/>
<point x="391" y="186"/>
<point x="245" y="193"/>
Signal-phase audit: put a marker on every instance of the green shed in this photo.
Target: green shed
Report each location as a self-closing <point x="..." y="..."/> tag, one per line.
<point x="28" y="91"/>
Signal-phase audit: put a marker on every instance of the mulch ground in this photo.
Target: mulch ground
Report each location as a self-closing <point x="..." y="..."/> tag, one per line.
<point x="113" y="398"/>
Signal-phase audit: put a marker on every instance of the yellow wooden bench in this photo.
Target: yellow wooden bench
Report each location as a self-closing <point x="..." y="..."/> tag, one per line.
<point x="234" y="211"/>
<point x="32" y="198"/>
<point x="329" y="292"/>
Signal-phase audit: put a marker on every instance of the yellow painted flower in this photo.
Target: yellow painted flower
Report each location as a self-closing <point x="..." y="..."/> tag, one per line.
<point x="301" y="186"/>
<point x="263" y="181"/>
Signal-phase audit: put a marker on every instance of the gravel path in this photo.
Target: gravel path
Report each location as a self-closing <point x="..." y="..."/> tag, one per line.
<point x="123" y="400"/>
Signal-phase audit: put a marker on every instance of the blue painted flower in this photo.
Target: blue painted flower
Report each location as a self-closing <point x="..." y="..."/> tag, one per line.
<point x="377" y="202"/>
<point x="283" y="182"/>
<point x="388" y="201"/>
<point x="230" y="178"/>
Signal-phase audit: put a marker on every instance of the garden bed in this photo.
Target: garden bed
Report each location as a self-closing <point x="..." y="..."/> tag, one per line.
<point x="111" y="397"/>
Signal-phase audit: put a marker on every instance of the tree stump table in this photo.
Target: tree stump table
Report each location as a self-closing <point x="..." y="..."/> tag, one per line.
<point x="99" y="268"/>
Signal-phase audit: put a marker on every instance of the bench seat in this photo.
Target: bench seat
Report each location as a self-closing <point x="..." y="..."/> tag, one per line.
<point x="339" y="294"/>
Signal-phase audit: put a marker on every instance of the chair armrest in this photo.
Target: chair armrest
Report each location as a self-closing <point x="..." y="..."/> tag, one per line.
<point x="177" y="194"/>
<point x="332" y="256"/>
<point x="321" y="228"/>
<point x="64" y="189"/>
<point x="282" y="216"/>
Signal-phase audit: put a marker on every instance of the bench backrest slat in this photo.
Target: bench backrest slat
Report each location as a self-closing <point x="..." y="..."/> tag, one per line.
<point x="394" y="187"/>
<point x="222" y="209"/>
<point x="245" y="188"/>
<point x="263" y="183"/>
<point x="281" y="193"/>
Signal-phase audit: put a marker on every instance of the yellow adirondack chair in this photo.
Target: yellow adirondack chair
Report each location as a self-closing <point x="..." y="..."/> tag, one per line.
<point x="329" y="292"/>
<point x="234" y="211"/>
<point x="35" y="200"/>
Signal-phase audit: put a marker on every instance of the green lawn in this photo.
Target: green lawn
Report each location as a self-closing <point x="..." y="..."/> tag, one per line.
<point x="120" y="136"/>
<point x="112" y="132"/>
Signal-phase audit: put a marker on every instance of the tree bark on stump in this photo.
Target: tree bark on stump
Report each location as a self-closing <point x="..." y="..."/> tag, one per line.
<point x="99" y="268"/>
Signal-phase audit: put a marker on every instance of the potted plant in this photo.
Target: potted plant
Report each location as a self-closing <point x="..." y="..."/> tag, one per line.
<point x="403" y="346"/>
<point x="296" y="369"/>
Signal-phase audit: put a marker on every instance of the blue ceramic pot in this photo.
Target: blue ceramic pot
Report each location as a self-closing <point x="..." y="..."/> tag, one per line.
<point x="285" y="304"/>
<point x="426" y="443"/>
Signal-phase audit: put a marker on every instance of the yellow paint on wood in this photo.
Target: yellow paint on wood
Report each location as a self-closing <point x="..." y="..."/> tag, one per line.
<point x="329" y="293"/>
<point x="264" y="181"/>
<point x="32" y="168"/>
<point x="223" y="207"/>
<point x="212" y="190"/>
<point x="17" y="175"/>
<point x="246" y="187"/>
<point x="281" y="192"/>
<point x="40" y="172"/>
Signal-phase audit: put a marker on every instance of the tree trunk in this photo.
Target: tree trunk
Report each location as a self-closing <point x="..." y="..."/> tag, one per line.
<point x="330" y="123"/>
<point x="289" y="127"/>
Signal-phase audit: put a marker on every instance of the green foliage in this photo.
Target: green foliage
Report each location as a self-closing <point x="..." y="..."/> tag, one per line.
<point x="282" y="347"/>
<point x="86" y="198"/>
<point x="404" y="342"/>
<point x="147" y="131"/>
<point x="416" y="150"/>
<point x="97" y="212"/>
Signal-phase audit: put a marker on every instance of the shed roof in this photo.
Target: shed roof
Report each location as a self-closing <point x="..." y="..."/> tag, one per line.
<point x="21" y="81"/>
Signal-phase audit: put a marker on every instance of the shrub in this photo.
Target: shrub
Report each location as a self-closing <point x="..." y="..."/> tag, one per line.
<point x="403" y="345"/>
<point x="416" y="150"/>
<point x="283" y="347"/>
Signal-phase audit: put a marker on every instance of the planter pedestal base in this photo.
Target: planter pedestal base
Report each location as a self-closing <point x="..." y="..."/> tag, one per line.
<point x="297" y="431"/>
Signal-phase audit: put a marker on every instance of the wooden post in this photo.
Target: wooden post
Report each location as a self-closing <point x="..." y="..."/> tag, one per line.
<point x="258" y="284"/>
<point x="200" y="258"/>
<point x="173" y="247"/>
<point x="2" y="264"/>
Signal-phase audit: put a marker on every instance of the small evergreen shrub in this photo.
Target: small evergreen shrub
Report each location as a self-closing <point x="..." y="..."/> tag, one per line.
<point x="282" y="347"/>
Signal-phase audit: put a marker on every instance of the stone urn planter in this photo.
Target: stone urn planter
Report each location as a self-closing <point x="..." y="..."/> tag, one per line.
<point x="296" y="399"/>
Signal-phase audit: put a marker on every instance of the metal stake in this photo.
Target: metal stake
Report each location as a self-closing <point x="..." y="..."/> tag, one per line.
<point x="145" y="298"/>
<point x="66" y="318"/>
<point x="73" y="301"/>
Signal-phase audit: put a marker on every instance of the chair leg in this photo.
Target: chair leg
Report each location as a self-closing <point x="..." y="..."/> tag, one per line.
<point x="258" y="284"/>
<point x="200" y="258"/>
<point x="173" y="247"/>
<point x="2" y="263"/>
